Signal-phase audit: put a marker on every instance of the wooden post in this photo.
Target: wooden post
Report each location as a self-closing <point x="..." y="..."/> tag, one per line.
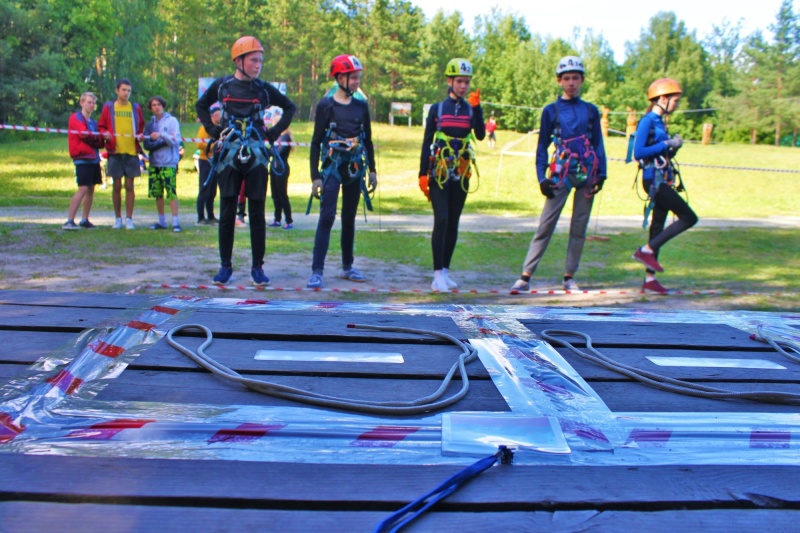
<point x="630" y="127"/>
<point x="604" y="122"/>
<point x="708" y="128"/>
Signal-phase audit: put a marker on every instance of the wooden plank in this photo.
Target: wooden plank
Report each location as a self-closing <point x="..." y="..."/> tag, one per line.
<point x="10" y="370"/>
<point x="204" y="388"/>
<point x="29" y="346"/>
<point x="77" y="299"/>
<point x="25" y="317"/>
<point x="637" y="357"/>
<point x="636" y="397"/>
<point x="419" y="360"/>
<point x="653" y="335"/>
<point x="314" y="324"/>
<point x="348" y="487"/>
<point x="35" y="517"/>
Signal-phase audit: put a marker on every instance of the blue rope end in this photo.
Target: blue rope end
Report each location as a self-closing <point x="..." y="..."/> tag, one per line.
<point x="505" y="454"/>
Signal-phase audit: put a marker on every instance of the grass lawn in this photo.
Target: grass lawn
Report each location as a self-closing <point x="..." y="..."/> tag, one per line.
<point x="39" y="173"/>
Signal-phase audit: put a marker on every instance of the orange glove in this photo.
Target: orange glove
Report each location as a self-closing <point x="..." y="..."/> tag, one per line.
<point x="424" y="186"/>
<point x="474" y="98"/>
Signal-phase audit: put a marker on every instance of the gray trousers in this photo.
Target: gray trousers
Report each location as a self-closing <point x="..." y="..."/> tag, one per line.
<point x="581" y="209"/>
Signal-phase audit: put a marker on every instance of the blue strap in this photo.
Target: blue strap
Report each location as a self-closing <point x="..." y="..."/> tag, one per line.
<point x="414" y="509"/>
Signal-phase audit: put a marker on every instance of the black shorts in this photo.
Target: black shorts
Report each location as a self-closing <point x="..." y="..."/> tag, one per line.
<point x="88" y="174"/>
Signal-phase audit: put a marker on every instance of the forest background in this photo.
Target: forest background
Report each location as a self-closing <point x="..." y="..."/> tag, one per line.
<point x="51" y="51"/>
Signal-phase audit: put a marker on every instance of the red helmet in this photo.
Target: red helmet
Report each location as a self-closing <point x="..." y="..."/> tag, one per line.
<point x="345" y="64"/>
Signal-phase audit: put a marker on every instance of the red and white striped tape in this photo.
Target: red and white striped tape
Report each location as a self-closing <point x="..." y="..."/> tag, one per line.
<point x="58" y="130"/>
<point x="534" y="292"/>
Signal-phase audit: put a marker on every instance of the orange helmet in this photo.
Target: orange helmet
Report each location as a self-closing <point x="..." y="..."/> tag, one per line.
<point x="245" y="45"/>
<point x="663" y="87"/>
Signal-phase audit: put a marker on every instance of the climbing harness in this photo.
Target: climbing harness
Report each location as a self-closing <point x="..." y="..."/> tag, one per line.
<point x="240" y="144"/>
<point x="660" y="169"/>
<point x="663" y="382"/>
<point x="453" y="158"/>
<point x="432" y="402"/>
<point x="574" y="163"/>
<point x="414" y="509"/>
<point x="348" y="154"/>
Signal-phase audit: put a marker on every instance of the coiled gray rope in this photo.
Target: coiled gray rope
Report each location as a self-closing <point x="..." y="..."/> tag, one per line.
<point x="663" y="382"/>
<point x="762" y="336"/>
<point x="426" y="404"/>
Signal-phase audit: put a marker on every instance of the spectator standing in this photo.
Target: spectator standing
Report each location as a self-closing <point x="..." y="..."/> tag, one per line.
<point x="123" y="121"/>
<point x="491" y="126"/>
<point x="84" y="141"/>
<point x="162" y="138"/>
<point x="207" y="191"/>
<point x="279" y="183"/>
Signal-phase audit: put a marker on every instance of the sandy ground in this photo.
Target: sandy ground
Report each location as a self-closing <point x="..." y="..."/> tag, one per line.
<point x="25" y="265"/>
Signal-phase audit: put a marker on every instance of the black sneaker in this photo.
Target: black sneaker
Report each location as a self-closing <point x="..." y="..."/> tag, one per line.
<point x="85" y="224"/>
<point x="70" y="225"/>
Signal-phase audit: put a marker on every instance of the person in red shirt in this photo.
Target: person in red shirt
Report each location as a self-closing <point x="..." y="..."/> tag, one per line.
<point x="491" y="126"/>
<point x="84" y="140"/>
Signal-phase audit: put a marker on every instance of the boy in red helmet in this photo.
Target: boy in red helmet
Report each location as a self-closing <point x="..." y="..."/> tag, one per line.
<point x="343" y="141"/>
<point x="240" y="155"/>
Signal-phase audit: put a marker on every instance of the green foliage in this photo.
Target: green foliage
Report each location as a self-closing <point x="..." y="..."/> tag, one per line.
<point x="52" y="50"/>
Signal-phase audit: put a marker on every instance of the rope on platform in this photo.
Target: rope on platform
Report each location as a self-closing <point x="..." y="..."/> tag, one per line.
<point x="429" y="403"/>
<point x="660" y="381"/>
<point x="414" y="509"/>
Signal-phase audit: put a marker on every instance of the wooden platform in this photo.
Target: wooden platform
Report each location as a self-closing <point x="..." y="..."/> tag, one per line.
<point x="138" y="438"/>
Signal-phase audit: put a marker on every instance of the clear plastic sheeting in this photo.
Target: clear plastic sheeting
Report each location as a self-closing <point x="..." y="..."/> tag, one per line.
<point x="52" y="407"/>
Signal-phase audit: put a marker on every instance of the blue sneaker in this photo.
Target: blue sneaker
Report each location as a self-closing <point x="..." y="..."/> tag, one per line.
<point x="275" y="224"/>
<point x="353" y="275"/>
<point x="223" y="276"/>
<point x="315" y="282"/>
<point x="259" y="278"/>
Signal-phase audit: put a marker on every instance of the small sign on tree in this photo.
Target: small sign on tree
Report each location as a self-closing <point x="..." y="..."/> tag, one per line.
<point x="400" y="110"/>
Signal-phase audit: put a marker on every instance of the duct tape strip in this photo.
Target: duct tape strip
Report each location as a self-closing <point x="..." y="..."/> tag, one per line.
<point x="537" y="381"/>
<point x="140" y="137"/>
<point x="100" y="356"/>
<point x="544" y="292"/>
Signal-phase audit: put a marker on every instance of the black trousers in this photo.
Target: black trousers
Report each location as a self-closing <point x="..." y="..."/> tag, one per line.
<point x="447" y="203"/>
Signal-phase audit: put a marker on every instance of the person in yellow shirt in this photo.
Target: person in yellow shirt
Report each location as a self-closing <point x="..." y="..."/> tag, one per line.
<point x="207" y="192"/>
<point x="122" y="125"/>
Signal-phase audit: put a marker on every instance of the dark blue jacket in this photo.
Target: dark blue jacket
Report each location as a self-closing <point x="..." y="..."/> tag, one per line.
<point x="574" y="116"/>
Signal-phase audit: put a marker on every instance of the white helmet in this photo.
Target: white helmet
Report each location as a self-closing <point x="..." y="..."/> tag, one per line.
<point x="569" y="64"/>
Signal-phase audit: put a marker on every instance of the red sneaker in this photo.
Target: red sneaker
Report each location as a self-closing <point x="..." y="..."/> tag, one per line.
<point x="648" y="260"/>
<point x="653" y="287"/>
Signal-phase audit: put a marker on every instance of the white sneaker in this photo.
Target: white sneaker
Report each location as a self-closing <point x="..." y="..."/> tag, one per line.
<point x="570" y="285"/>
<point x="439" y="284"/>
<point x="520" y="285"/>
<point x="129" y="224"/>
<point x="450" y="283"/>
<point x="117" y="224"/>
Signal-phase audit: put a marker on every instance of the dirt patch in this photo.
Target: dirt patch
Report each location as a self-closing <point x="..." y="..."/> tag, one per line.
<point x="26" y="264"/>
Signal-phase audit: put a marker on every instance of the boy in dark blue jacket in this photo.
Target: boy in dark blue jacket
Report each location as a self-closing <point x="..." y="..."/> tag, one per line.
<point x="579" y="162"/>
